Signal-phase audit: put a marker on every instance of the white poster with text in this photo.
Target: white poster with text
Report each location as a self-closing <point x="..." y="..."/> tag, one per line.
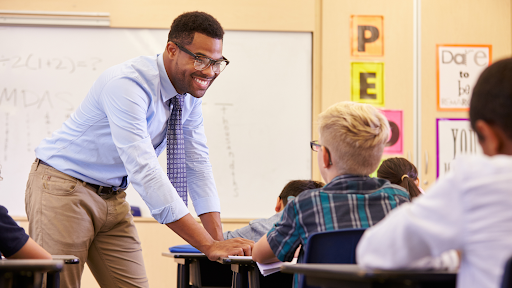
<point x="454" y="138"/>
<point x="458" y="69"/>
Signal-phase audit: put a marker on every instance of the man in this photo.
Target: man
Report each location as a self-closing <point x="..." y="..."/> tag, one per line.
<point x="75" y="198"/>
<point x="468" y="210"/>
<point x="352" y="139"/>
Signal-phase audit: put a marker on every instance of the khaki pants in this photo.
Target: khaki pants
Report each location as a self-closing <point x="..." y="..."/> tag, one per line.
<point x="67" y="217"/>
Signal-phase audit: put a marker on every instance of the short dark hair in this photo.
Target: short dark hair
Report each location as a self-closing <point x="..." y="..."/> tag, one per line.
<point x="491" y="100"/>
<point x="395" y="169"/>
<point x="187" y="24"/>
<point x="295" y="187"/>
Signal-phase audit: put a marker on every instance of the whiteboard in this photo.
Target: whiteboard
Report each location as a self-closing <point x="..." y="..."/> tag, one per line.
<point x="257" y="113"/>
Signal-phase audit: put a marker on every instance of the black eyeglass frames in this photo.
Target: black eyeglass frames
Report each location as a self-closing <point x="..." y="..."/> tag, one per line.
<point x="315" y="146"/>
<point x="202" y="62"/>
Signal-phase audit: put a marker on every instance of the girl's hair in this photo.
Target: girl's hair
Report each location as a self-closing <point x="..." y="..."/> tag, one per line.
<point x="401" y="172"/>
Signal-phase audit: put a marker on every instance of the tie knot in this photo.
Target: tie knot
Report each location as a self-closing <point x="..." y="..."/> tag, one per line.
<point x="177" y="101"/>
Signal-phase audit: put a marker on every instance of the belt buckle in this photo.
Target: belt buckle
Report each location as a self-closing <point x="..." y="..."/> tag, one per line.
<point x="106" y="189"/>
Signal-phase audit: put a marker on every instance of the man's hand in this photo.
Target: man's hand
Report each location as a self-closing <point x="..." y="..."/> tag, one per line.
<point x="235" y="246"/>
<point x="193" y="233"/>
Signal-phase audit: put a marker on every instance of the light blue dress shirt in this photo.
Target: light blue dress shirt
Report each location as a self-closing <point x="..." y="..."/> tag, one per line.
<point x="119" y="130"/>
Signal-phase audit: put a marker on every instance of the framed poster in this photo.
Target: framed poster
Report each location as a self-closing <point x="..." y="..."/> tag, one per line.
<point x="367" y="35"/>
<point x="454" y="137"/>
<point x="458" y="69"/>
<point x="368" y="83"/>
<point x="395" y="142"/>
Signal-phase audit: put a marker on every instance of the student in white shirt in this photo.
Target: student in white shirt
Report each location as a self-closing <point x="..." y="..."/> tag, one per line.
<point x="470" y="209"/>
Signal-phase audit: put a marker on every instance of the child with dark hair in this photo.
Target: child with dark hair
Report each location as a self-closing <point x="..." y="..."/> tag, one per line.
<point x="469" y="209"/>
<point x="260" y="227"/>
<point x="14" y="242"/>
<point x="401" y="172"/>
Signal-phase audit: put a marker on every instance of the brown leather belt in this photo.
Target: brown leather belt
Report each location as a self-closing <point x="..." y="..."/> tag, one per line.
<point x="100" y="190"/>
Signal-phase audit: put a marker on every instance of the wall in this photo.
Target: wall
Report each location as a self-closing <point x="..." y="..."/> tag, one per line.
<point x="454" y="22"/>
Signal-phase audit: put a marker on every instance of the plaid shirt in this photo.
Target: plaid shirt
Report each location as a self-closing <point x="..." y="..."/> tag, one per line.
<point x="348" y="201"/>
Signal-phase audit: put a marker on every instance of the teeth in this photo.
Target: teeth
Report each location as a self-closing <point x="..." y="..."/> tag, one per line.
<point x="202" y="82"/>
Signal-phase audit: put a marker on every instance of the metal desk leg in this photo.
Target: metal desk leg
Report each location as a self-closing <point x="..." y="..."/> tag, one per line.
<point x="240" y="272"/>
<point x="183" y="274"/>
<point x="254" y="277"/>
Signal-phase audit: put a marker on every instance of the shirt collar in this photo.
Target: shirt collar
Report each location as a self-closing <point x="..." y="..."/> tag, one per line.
<point x="167" y="90"/>
<point x="348" y="177"/>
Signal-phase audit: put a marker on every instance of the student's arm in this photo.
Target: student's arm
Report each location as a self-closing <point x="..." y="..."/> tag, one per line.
<point x="194" y="234"/>
<point x="429" y="226"/>
<point x="262" y="252"/>
<point x="256" y="229"/>
<point x="31" y="250"/>
<point x="281" y="242"/>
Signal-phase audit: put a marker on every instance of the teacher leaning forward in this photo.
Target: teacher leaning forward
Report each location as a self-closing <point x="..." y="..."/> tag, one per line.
<point x="75" y="199"/>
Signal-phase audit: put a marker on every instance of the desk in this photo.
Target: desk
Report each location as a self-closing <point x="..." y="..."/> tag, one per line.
<point x="243" y="269"/>
<point x="350" y="275"/>
<point x="247" y="274"/>
<point x="195" y="270"/>
<point x="28" y="272"/>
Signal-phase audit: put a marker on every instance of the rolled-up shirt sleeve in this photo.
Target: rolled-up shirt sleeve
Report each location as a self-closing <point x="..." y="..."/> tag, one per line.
<point x="200" y="181"/>
<point x="125" y="103"/>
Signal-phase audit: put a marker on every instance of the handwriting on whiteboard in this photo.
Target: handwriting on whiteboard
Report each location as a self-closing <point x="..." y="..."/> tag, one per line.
<point x="34" y="62"/>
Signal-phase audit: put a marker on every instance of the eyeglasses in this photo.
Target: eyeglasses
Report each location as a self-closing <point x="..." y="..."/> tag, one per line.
<point x="316" y="147"/>
<point x="202" y="62"/>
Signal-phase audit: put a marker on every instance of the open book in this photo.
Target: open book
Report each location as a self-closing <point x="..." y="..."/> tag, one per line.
<point x="269" y="268"/>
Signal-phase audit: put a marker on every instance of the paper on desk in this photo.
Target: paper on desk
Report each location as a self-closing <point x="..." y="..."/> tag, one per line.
<point x="269" y="268"/>
<point x="240" y="257"/>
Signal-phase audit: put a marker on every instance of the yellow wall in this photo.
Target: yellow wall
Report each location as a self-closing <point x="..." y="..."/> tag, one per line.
<point x="455" y="22"/>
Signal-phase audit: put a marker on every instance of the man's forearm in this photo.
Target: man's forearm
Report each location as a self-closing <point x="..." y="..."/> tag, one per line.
<point x="212" y="224"/>
<point x="188" y="229"/>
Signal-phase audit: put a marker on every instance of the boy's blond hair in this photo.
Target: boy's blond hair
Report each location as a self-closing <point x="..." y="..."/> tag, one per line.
<point x="355" y="135"/>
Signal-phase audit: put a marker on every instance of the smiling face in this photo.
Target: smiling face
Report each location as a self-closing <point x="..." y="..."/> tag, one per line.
<point x="180" y="66"/>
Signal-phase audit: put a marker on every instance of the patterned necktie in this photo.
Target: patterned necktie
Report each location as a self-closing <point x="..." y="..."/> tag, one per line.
<point x="176" y="170"/>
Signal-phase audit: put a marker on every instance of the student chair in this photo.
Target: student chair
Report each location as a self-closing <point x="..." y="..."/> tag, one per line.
<point x="506" y="281"/>
<point x="337" y="246"/>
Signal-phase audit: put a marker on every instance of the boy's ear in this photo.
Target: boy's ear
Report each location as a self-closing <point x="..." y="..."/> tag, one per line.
<point x="279" y="205"/>
<point x="325" y="158"/>
<point x="490" y="138"/>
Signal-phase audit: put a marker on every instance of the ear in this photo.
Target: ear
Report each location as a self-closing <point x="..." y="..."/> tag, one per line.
<point x="171" y="49"/>
<point x="490" y="140"/>
<point x="279" y="205"/>
<point x="325" y="158"/>
<point x="417" y="181"/>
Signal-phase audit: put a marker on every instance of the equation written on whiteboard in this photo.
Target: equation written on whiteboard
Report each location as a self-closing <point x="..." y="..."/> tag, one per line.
<point x="34" y="62"/>
<point x="454" y="137"/>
